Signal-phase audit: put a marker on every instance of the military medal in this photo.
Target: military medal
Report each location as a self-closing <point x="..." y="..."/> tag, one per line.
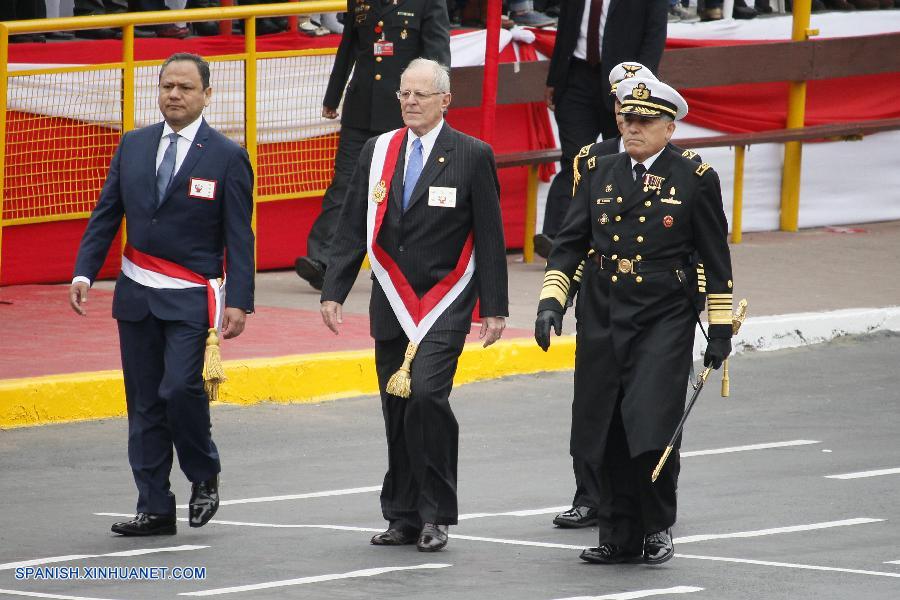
<point x="404" y="35"/>
<point x="668" y="221"/>
<point x="609" y="187"/>
<point x="379" y="193"/>
<point x="604" y="219"/>
<point x="653" y="182"/>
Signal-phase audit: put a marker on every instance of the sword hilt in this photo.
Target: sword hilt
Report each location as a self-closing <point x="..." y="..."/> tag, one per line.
<point x="726" y="382"/>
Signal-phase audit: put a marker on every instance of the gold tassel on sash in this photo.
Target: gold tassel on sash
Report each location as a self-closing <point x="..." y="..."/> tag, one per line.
<point x="213" y="373"/>
<point x="400" y="383"/>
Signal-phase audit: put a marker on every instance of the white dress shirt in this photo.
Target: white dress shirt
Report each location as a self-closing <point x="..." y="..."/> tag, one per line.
<point x="185" y="140"/>
<point x="428" y="141"/>
<point x="647" y="163"/>
<point x="581" y="44"/>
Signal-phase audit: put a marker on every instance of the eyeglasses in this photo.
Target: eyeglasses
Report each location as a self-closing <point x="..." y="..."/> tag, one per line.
<point x="405" y="94"/>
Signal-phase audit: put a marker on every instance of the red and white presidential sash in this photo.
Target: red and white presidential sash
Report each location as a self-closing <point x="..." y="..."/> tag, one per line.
<point x="162" y="274"/>
<point x="416" y="315"/>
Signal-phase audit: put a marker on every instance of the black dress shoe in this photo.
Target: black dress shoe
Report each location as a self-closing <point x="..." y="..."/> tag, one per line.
<point x="104" y="33"/>
<point x="658" y="547"/>
<point x="610" y="554"/>
<point x="204" y="501"/>
<point x="576" y="517"/>
<point x="146" y="524"/>
<point x="542" y="245"/>
<point x="311" y="270"/>
<point x="394" y="537"/>
<point x="433" y="538"/>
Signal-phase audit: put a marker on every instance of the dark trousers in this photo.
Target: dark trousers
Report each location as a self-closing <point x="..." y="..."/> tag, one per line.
<point x="100" y="7"/>
<point x="422" y="433"/>
<point x="635" y="505"/>
<point x="350" y="144"/>
<point x="581" y="115"/>
<point x="163" y="363"/>
<point x="14" y="10"/>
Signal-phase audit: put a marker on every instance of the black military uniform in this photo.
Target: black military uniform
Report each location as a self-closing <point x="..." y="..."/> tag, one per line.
<point x="589" y="492"/>
<point x="636" y="321"/>
<point x="381" y="37"/>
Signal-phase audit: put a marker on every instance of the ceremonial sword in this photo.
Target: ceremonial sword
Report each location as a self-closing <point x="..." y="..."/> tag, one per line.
<point x="736" y="321"/>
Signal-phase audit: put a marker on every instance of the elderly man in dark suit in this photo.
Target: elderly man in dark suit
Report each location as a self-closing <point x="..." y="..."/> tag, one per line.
<point x="380" y="39"/>
<point x="424" y="203"/>
<point x="592" y="37"/>
<point x="186" y="192"/>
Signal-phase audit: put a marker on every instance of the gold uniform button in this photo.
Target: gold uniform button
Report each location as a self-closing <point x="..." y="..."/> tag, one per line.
<point x="619" y="199"/>
<point x="615" y="256"/>
<point x="381" y="23"/>
<point x="378" y="77"/>
<point x="647" y="203"/>
<point x="642" y="219"/>
<point x="638" y="257"/>
<point x="616" y="238"/>
<point x="618" y="217"/>
<point x="377" y="59"/>
<point x="639" y="279"/>
<point x="614" y="278"/>
<point x="640" y="239"/>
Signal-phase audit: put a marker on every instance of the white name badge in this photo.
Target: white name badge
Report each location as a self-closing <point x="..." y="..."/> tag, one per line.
<point x="202" y="188"/>
<point x="445" y="197"/>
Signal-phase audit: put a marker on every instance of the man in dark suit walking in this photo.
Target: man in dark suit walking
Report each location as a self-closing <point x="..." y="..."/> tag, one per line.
<point x="186" y="192"/>
<point x="424" y="203"/>
<point x="380" y="39"/>
<point x="592" y="37"/>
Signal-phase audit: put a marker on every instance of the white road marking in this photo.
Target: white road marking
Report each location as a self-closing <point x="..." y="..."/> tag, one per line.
<point x="749" y="447"/>
<point x="40" y="595"/>
<point x="787" y="565"/>
<point x="681" y="589"/>
<point x="325" y="494"/>
<point x="861" y="474"/>
<point x="892" y="562"/>
<point x="516" y="513"/>
<point x="314" y="579"/>
<point x="775" y="530"/>
<point x="70" y="557"/>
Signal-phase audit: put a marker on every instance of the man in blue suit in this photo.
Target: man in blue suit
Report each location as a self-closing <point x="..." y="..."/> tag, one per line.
<point x="186" y="192"/>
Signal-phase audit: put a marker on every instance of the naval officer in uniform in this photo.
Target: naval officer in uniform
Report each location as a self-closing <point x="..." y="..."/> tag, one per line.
<point x="647" y="214"/>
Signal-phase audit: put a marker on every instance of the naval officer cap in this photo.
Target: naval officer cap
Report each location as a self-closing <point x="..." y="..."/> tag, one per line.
<point x="650" y="98"/>
<point x="627" y="70"/>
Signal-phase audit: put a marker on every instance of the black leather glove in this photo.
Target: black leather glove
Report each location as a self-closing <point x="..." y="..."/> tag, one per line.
<point x="717" y="351"/>
<point x="542" y="324"/>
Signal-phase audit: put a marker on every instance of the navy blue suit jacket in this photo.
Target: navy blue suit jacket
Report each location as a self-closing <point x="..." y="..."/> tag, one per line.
<point x="196" y="233"/>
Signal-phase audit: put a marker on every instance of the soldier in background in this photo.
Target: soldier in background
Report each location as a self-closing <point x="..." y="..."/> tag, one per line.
<point x="380" y="39"/>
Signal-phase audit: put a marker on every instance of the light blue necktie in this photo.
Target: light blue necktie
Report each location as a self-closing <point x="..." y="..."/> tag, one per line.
<point x="413" y="170"/>
<point x="166" y="168"/>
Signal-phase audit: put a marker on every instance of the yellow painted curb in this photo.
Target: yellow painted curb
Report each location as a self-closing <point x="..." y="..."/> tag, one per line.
<point x="296" y="378"/>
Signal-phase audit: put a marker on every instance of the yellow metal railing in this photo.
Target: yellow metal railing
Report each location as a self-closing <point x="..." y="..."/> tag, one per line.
<point x="131" y="103"/>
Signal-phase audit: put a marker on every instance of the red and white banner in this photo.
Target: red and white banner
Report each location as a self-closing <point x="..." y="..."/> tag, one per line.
<point x="416" y="315"/>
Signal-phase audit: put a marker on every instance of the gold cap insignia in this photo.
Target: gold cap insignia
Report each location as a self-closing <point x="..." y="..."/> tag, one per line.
<point x="380" y="191"/>
<point x="640" y="91"/>
<point x="631" y="70"/>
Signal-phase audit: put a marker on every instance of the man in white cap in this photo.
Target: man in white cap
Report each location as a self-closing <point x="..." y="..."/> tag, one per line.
<point x="647" y="213"/>
<point x="589" y="493"/>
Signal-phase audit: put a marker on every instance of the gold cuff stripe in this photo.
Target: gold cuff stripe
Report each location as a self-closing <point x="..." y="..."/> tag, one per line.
<point x="719" y="317"/>
<point x="727" y="296"/>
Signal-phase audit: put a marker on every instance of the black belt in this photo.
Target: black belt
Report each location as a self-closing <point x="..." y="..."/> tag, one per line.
<point x="630" y="265"/>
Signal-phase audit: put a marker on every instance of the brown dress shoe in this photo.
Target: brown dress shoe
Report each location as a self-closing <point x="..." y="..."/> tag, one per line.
<point x="433" y="538"/>
<point x="711" y="14"/>
<point x="394" y="537"/>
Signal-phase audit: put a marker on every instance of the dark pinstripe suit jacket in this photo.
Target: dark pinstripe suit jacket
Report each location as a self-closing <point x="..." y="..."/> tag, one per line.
<point x="426" y="241"/>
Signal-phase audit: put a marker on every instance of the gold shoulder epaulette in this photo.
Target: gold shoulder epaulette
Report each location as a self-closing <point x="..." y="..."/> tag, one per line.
<point x="585" y="150"/>
<point x="689" y="154"/>
<point x="703" y="168"/>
